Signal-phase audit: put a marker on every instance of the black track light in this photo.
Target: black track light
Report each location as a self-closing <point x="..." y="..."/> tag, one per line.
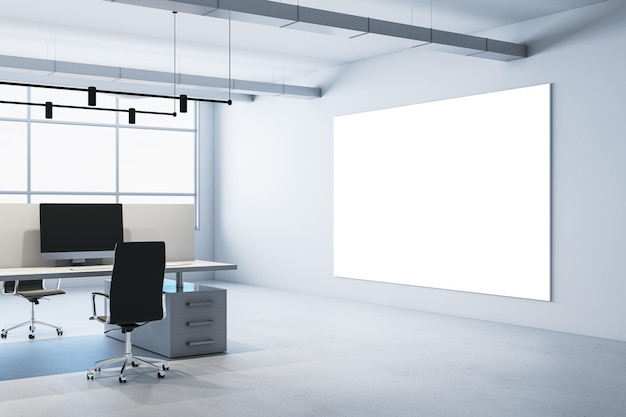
<point x="91" y="95"/>
<point x="91" y="99"/>
<point x="183" y="103"/>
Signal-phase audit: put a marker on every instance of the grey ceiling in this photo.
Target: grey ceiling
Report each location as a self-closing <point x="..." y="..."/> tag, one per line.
<point x="114" y="34"/>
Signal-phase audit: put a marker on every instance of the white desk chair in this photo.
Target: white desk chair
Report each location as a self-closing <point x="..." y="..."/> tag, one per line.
<point x="32" y="291"/>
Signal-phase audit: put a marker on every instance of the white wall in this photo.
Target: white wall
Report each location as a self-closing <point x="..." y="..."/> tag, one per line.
<point x="204" y="232"/>
<point x="274" y="178"/>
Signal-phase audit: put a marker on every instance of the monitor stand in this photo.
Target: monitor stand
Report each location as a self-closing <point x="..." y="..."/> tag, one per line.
<point x="81" y="262"/>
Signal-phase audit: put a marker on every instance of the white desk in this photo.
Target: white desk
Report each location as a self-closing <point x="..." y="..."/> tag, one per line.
<point x="53" y="272"/>
<point x="196" y="320"/>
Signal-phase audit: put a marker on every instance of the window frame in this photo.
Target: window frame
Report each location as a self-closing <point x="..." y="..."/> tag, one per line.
<point x="117" y="125"/>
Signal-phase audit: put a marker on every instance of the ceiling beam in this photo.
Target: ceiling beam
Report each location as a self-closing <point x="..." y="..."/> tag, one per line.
<point x="340" y="24"/>
<point x="240" y="90"/>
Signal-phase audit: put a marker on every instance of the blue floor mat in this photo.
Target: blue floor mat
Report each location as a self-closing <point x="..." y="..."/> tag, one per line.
<point x="41" y="357"/>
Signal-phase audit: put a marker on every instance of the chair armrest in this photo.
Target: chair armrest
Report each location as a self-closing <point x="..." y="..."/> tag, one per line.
<point x="6" y="287"/>
<point x="93" y="303"/>
<point x="43" y="283"/>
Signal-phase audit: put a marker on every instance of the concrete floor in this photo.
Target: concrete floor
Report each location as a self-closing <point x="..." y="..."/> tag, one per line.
<point x="300" y="355"/>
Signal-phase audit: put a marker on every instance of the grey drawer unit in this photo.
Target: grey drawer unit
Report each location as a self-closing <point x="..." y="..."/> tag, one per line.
<point x="195" y="323"/>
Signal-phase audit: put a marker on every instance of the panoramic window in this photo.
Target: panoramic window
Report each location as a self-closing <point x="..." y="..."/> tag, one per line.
<point x="95" y="156"/>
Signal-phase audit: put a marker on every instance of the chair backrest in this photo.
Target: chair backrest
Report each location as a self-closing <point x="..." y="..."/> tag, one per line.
<point x="136" y="293"/>
<point x="29" y="285"/>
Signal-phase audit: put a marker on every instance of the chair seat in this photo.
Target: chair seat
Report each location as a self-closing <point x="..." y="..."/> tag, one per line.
<point x="39" y="293"/>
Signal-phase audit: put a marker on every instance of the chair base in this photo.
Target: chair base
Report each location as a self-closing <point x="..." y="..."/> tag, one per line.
<point x="31" y="325"/>
<point x="129" y="359"/>
<point x="126" y="360"/>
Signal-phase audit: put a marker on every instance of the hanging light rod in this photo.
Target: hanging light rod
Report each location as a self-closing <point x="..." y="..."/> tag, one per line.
<point x="49" y="104"/>
<point x="91" y="101"/>
<point x="121" y="93"/>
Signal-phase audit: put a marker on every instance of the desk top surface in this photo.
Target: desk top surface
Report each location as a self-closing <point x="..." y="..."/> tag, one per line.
<point x="43" y="272"/>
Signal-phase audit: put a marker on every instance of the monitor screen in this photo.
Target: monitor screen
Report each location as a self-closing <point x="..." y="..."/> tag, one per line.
<point x="78" y="232"/>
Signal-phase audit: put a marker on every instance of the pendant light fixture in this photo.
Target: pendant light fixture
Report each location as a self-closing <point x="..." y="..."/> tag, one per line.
<point x="182" y="99"/>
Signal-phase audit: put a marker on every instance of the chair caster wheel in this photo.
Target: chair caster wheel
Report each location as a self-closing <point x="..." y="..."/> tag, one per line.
<point x="161" y="374"/>
<point x="89" y="375"/>
<point x="122" y="379"/>
<point x="31" y="336"/>
<point x="134" y="365"/>
<point x="165" y="367"/>
<point x="59" y="332"/>
<point x="3" y="334"/>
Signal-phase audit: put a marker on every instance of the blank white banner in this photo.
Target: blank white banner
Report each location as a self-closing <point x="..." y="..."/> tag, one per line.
<point x="453" y="194"/>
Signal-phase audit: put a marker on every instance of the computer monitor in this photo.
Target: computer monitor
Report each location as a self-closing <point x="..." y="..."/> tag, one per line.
<point x="78" y="232"/>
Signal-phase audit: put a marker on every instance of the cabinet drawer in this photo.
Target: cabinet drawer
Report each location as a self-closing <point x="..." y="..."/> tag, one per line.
<point x="198" y="322"/>
<point x="200" y="301"/>
<point x="193" y="344"/>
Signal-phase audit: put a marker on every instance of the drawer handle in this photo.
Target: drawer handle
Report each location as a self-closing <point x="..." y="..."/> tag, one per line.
<point x="200" y="304"/>
<point x="199" y="323"/>
<point x="200" y="343"/>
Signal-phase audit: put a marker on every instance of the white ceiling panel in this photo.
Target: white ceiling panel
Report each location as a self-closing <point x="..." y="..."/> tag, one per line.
<point x="115" y="34"/>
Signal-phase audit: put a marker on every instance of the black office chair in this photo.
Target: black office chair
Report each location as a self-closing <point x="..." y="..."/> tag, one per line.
<point x="32" y="291"/>
<point x="135" y="298"/>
